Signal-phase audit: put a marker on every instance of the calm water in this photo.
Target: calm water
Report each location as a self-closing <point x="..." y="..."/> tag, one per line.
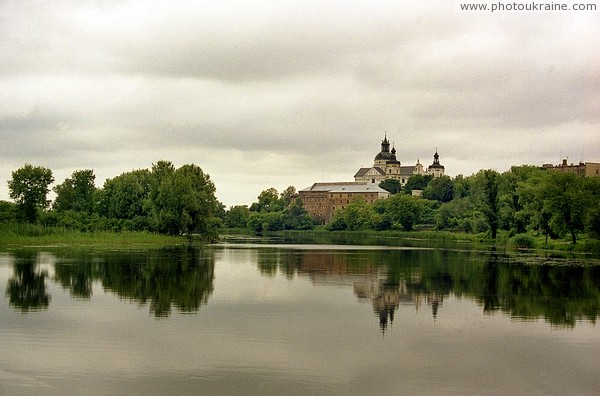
<point x="297" y="319"/>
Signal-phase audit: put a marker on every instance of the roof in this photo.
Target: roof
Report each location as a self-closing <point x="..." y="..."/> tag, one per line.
<point x="407" y="170"/>
<point x="435" y="165"/>
<point x="363" y="171"/>
<point x="328" y="186"/>
<point x="347" y="187"/>
<point x="360" y="188"/>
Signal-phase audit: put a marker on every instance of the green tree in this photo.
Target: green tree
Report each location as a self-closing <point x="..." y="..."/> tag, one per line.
<point x="76" y="193"/>
<point x="393" y="186"/>
<point x="489" y="191"/>
<point x="403" y="210"/>
<point x="7" y="211"/>
<point x="237" y="216"/>
<point x="267" y="221"/>
<point x="125" y="196"/>
<point x="268" y="201"/>
<point x="286" y="196"/>
<point x="564" y="201"/>
<point x="185" y="202"/>
<point x="29" y="189"/>
<point x="417" y="182"/>
<point x="440" y="189"/>
<point x="357" y="215"/>
<point x="463" y="186"/>
<point x="296" y="217"/>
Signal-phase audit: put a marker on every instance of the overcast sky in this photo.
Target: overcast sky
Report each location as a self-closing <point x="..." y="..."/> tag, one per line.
<point x="275" y="93"/>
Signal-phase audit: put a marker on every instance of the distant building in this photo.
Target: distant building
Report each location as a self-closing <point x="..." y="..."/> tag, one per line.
<point x="588" y="169"/>
<point x="387" y="166"/>
<point x="435" y="169"/>
<point x="321" y="200"/>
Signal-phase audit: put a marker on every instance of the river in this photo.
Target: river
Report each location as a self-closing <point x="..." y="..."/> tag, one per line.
<point x="284" y="318"/>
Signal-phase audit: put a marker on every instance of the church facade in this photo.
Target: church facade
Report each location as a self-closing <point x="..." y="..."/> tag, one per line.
<point x="387" y="166"/>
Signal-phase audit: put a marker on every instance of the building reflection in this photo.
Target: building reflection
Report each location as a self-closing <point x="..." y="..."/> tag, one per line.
<point x="370" y="282"/>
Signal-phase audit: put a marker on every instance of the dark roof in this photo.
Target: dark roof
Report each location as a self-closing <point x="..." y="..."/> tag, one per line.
<point x="363" y="171"/>
<point x="407" y="170"/>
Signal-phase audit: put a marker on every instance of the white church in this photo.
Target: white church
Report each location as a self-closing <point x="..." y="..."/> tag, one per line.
<point x="386" y="166"/>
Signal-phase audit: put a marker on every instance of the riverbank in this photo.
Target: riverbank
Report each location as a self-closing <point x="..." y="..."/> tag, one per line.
<point x="23" y="235"/>
<point x="520" y="242"/>
<point x="19" y="235"/>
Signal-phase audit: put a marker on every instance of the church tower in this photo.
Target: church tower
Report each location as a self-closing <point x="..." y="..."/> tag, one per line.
<point x="436" y="169"/>
<point x="386" y="161"/>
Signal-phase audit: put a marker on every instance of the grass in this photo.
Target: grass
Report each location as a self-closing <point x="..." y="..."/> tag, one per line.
<point x="533" y="243"/>
<point x="22" y="235"/>
<point x="12" y="235"/>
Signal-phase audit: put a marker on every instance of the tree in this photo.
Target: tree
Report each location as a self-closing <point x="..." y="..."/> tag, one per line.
<point x="296" y="217"/>
<point x="393" y="186"/>
<point x="592" y="185"/>
<point x="440" y="189"/>
<point x="7" y="210"/>
<point x="185" y="202"/>
<point x="268" y="201"/>
<point x="237" y="216"/>
<point x="286" y="195"/>
<point x="417" y="182"/>
<point x="125" y="196"/>
<point x="488" y="185"/>
<point x="29" y="189"/>
<point x="564" y="201"/>
<point x="404" y="210"/>
<point x="76" y="193"/>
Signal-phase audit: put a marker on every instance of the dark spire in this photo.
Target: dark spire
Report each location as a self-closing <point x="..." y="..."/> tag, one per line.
<point x="385" y="145"/>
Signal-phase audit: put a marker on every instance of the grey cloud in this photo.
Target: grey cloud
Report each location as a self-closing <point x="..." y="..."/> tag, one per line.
<point x="305" y="89"/>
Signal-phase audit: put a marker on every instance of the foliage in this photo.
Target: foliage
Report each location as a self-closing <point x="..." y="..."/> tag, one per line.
<point x="523" y="241"/>
<point x="487" y="184"/>
<point x="439" y="189"/>
<point x="417" y="182"/>
<point x="393" y="186"/>
<point x="237" y="216"/>
<point x="268" y="201"/>
<point x="274" y="212"/>
<point x="184" y="202"/>
<point x="8" y="211"/>
<point x="76" y="193"/>
<point x="29" y="188"/>
<point x="403" y="211"/>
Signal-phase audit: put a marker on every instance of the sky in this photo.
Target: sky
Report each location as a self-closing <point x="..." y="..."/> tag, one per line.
<point x="266" y="94"/>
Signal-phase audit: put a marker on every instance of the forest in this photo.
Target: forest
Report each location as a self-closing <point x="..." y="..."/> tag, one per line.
<point x="522" y="203"/>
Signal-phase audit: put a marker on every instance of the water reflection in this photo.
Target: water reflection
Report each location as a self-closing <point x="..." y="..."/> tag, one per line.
<point x="182" y="278"/>
<point x="559" y="293"/>
<point x="26" y="289"/>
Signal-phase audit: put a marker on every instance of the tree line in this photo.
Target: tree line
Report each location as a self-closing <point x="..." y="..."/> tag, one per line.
<point x="525" y="199"/>
<point x="162" y="199"/>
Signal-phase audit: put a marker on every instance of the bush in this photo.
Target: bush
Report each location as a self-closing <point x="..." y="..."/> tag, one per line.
<point x="523" y="241"/>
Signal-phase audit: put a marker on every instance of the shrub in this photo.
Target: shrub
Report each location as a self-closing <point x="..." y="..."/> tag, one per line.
<point x="522" y="241"/>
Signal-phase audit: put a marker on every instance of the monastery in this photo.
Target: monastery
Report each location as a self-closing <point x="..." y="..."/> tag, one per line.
<point x="386" y="166"/>
<point x="321" y="200"/>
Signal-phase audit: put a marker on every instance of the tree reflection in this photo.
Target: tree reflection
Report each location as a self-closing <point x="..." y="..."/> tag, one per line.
<point x="180" y="277"/>
<point x="561" y="294"/>
<point x="174" y="277"/>
<point x="26" y="289"/>
<point x="75" y="275"/>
